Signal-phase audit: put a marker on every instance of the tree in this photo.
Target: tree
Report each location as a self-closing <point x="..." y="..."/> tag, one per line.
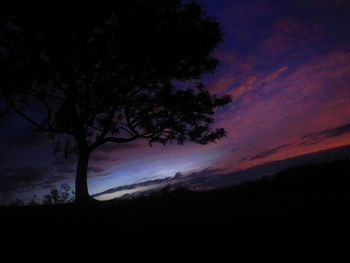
<point x="113" y="73"/>
<point x="59" y="196"/>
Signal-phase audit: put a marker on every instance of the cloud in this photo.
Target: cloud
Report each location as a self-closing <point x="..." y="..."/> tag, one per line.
<point x="203" y="179"/>
<point x="338" y="131"/>
<point x="100" y="157"/>
<point x="257" y="81"/>
<point x="221" y="84"/>
<point x="22" y="177"/>
<point x="280" y="107"/>
<point x="104" y="157"/>
<point x="328" y="133"/>
<point x="236" y="63"/>
<point x="269" y="152"/>
<point x="65" y="170"/>
<point x="97" y="169"/>
<point x="291" y="35"/>
<point x="64" y="167"/>
<point x="310" y="141"/>
<point x="298" y="95"/>
<point x="55" y="180"/>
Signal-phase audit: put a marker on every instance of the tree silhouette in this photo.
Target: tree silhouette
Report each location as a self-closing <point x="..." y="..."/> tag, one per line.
<point x="63" y="195"/>
<point x="110" y="73"/>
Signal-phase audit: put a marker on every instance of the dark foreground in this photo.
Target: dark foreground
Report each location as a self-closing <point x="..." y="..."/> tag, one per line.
<point x="320" y="191"/>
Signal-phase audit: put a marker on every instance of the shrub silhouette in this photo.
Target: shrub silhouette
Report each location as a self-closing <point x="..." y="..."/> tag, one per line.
<point x="59" y="196"/>
<point x="33" y="201"/>
<point x="17" y="202"/>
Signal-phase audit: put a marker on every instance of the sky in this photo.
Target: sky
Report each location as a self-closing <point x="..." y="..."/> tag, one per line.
<point x="285" y="63"/>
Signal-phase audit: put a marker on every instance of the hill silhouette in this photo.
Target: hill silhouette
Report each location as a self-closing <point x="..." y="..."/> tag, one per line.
<point x="216" y="178"/>
<point x="309" y="190"/>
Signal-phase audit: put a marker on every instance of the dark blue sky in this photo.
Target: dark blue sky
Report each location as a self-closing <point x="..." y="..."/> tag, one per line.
<point x="287" y="66"/>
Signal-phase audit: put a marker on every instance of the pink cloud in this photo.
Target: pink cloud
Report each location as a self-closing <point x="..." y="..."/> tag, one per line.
<point x="289" y="34"/>
<point x="255" y="81"/>
<point x="279" y="107"/>
<point x="239" y="65"/>
<point x="236" y="70"/>
<point x="222" y="84"/>
<point x="270" y="109"/>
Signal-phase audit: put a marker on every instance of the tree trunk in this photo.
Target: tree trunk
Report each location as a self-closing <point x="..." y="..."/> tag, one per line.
<point x="81" y="187"/>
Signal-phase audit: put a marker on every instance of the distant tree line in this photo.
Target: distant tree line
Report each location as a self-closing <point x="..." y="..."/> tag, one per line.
<point x="62" y="195"/>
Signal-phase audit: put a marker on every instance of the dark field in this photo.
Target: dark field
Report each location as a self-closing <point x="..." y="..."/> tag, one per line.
<point x="320" y="191"/>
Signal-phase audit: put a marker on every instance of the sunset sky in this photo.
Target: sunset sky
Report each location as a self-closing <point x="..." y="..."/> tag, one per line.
<point x="285" y="63"/>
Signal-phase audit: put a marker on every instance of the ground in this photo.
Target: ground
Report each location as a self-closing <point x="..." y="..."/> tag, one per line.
<point x="318" y="191"/>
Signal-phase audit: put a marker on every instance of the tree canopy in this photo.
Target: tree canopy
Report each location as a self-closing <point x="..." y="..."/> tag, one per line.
<point x="112" y="72"/>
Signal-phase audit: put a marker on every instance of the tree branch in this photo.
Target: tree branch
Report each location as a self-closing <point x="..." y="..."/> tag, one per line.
<point x="29" y="119"/>
<point x="107" y="125"/>
<point x="127" y="117"/>
<point x="120" y="140"/>
<point x="39" y="126"/>
<point x="127" y="131"/>
<point x="97" y="144"/>
<point x="48" y="95"/>
<point x="46" y="104"/>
